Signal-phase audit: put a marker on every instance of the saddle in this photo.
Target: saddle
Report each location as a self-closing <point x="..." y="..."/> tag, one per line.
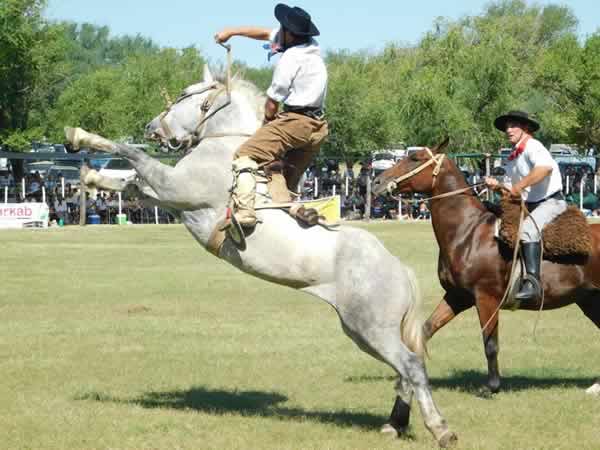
<point x="567" y="237"/>
<point x="278" y="196"/>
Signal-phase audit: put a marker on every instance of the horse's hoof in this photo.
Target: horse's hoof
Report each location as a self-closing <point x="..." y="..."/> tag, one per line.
<point x="594" y="390"/>
<point x="73" y="139"/>
<point x="485" y="393"/>
<point x="391" y="431"/>
<point x="448" y="440"/>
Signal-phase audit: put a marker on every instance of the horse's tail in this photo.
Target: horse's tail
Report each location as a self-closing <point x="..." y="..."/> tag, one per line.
<point x="411" y="325"/>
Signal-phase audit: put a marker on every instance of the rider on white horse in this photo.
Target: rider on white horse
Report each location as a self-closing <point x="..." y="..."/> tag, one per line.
<point x="300" y="83"/>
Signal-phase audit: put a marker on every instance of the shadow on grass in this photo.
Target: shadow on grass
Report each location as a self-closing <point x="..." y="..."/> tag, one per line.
<point x="244" y="403"/>
<point x="473" y="381"/>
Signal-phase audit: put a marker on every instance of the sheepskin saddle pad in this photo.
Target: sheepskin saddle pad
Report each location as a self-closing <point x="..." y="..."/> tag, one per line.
<point x="566" y="236"/>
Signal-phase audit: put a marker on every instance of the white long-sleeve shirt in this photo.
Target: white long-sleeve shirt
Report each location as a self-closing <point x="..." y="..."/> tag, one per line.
<point x="300" y="77"/>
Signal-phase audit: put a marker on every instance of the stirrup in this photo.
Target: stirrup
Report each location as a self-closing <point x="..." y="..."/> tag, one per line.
<point x="537" y="287"/>
<point x="234" y="230"/>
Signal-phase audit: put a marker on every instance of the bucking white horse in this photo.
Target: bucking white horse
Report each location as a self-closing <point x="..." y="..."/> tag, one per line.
<point x="373" y="293"/>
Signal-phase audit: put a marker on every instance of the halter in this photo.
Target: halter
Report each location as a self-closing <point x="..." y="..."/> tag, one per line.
<point x="438" y="160"/>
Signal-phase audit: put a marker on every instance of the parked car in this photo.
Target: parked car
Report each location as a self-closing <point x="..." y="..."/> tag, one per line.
<point x="47" y="148"/>
<point x="39" y="166"/>
<point x="118" y="168"/>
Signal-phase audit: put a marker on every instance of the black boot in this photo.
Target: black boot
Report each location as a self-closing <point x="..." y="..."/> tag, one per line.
<point x="531" y="289"/>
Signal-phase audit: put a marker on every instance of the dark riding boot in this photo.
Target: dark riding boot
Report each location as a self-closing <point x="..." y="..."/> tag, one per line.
<point x="531" y="288"/>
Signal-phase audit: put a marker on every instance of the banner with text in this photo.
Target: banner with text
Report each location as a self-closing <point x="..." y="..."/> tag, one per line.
<point x="23" y="215"/>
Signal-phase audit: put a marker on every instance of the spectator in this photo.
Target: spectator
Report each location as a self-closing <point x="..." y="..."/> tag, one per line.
<point x="357" y="203"/>
<point x="101" y="207"/>
<point x="424" y="213"/>
<point x="60" y="208"/>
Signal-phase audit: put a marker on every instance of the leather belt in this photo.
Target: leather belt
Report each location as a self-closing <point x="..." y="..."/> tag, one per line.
<point x="309" y="111"/>
<point x="558" y="195"/>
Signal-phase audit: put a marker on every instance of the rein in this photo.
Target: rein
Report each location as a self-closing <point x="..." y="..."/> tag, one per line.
<point x="195" y="137"/>
<point x="438" y="160"/>
<point x="513" y="269"/>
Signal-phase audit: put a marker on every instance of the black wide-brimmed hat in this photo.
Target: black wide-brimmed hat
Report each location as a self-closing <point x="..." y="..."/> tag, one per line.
<point x="295" y="20"/>
<point x="516" y="116"/>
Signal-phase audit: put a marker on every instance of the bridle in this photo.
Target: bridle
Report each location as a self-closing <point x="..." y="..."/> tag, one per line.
<point x="194" y="137"/>
<point x="438" y="160"/>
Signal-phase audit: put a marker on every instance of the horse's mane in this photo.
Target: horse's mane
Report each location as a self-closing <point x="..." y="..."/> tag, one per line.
<point x="246" y="88"/>
<point x="255" y="97"/>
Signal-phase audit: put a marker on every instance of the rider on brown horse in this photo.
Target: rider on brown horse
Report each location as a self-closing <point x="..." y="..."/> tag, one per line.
<point x="300" y="83"/>
<point x="535" y="177"/>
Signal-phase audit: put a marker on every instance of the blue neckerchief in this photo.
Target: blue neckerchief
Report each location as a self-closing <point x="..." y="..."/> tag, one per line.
<point x="273" y="48"/>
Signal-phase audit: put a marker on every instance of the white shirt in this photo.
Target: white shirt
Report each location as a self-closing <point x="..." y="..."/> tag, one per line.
<point x="535" y="155"/>
<point x="300" y="77"/>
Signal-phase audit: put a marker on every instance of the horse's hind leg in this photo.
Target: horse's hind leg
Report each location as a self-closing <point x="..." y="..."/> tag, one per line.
<point x="591" y="308"/>
<point x="385" y="344"/>
<point x="399" y="418"/>
<point x="411" y="369"/>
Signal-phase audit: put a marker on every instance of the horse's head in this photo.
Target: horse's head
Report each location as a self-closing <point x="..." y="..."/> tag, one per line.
<point x="186" y="120"/>
<point x="416" y="173"/>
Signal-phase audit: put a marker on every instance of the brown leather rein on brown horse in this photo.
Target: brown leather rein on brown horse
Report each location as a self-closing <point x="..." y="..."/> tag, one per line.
<point x="438" y="161"/>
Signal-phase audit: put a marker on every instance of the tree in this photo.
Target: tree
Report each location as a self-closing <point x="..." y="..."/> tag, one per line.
<point x="117" y="101"/>
<point x="21" y="28"/>
<point x="588" y="132"/>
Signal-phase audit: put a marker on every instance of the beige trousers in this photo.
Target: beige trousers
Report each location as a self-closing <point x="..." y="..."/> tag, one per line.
<point x="291" y="137"/>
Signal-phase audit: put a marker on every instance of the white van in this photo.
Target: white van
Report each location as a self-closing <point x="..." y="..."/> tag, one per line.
<point x="118" y="168"/>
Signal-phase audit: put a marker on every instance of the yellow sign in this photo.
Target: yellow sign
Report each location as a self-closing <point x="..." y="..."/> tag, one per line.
<point x="328" y="207"/>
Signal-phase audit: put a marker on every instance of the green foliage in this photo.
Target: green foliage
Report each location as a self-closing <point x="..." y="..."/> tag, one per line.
<point x="117" y="101"/>
<point x="454" y="82"/>
<point x="21" y="30"/>
<point x="588" y="132"/>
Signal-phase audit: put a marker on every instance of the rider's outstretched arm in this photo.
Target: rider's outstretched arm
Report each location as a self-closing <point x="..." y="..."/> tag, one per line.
<point x="258" y="33"/>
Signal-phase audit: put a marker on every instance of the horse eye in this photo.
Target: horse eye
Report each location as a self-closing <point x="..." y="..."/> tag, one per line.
<point x="414" y="157"/>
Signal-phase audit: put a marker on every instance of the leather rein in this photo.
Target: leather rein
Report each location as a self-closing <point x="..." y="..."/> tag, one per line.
<point x="195" y="137"/>
<point x="438" y="161"/>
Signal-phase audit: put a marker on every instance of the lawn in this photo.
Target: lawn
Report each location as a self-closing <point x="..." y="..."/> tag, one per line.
<point x="135" y="337"/>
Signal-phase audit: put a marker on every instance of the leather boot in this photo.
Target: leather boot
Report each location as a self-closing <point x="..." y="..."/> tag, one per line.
<point x="244" y="190"/>
<point x="531" y="288"/>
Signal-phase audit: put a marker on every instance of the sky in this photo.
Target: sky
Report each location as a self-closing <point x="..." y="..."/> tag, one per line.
<point x="349" y="24"/>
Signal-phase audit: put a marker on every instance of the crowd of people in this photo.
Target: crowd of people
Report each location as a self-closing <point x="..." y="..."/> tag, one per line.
<point x="319" y="181"/>
<point x="65" y="209"/>
<point x="352" y="187"/>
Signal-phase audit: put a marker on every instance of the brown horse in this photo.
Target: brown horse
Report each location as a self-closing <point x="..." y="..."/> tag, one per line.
<point x="473" y="267"/>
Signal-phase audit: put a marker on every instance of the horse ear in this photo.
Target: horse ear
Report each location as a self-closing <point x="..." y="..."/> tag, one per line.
<point x="208" y="78"/>
<point x="441" y="148"/>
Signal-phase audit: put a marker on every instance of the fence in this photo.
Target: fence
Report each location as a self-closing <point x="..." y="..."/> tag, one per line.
<point x="580" y="182"/>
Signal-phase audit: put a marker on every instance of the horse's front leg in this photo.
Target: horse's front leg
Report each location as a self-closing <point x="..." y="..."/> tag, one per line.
<point x="488" y="319"/>
<point x="450" y="307"/>
<point x="92" y="178"/>
<point x="172" y="188"/>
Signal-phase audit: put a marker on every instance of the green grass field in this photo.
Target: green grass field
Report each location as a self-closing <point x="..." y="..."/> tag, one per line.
<point x="135" y="337"/>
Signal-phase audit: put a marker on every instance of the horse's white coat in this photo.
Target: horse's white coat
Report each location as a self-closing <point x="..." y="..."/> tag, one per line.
<point x="373" y="293"/>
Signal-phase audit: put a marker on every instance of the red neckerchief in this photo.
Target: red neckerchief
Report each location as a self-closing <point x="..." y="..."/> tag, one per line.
<point x="520" y="148"/>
